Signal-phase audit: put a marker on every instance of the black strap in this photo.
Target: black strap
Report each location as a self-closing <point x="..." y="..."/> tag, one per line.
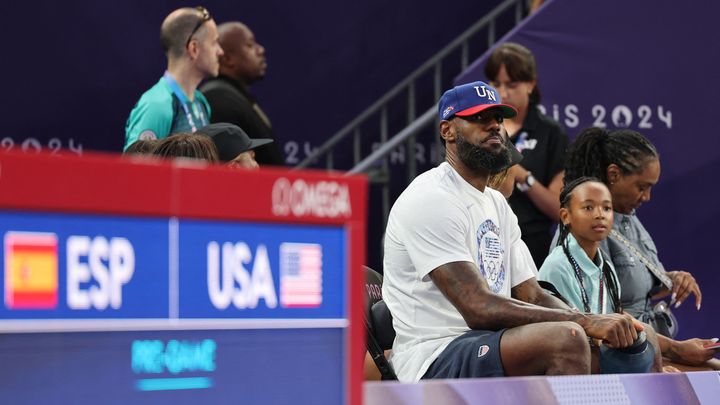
<point x="549" y="287"/>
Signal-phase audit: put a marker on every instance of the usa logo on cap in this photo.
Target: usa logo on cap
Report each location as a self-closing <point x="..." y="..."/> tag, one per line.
<point x="472" y="98"/>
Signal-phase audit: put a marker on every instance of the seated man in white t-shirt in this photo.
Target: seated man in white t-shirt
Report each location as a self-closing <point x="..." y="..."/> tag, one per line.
<point x="459" y="281"/>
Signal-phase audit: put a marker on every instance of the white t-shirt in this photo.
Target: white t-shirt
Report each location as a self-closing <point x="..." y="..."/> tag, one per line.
<point x="440" y="218"/>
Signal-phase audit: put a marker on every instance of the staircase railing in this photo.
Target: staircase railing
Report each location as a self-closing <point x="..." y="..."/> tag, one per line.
<point x="408" y="87"/>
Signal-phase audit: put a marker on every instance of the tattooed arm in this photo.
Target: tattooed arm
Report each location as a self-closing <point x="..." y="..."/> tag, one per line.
<point x="531" y="292"/>
<point x="461" y="283"/>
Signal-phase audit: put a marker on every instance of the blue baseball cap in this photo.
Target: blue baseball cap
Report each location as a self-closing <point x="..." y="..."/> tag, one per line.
<point x="471" y="98"/>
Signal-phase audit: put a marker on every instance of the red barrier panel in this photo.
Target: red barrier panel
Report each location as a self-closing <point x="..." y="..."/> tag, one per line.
<point x="183" y="190"/>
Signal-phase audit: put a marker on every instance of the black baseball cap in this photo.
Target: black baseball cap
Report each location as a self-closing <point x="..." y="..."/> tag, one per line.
<point x="230" y="140"/>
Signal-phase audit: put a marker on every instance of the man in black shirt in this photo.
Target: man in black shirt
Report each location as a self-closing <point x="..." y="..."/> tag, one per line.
<point x="242" y="64"/>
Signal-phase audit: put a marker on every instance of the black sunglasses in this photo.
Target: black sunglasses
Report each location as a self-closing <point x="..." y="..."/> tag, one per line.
<point x="205" y="17"/>
<point x="484" y="118"/>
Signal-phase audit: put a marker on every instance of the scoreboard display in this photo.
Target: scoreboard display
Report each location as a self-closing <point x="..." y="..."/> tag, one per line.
<point x="138" y="281"/>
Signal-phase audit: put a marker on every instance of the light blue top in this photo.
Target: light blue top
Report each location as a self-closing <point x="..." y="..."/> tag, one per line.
<point x="558" y="271"/>
<point x="638" y="284"/>
<point x="155" y="116"/>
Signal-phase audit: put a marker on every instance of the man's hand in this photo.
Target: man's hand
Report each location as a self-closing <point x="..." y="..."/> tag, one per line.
<point x="692" y="352"/>
<point x="616" y="330"/>
<point x="684" y="284"/>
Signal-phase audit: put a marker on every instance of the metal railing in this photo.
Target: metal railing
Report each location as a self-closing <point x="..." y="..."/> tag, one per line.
<point x="408" y="86"/>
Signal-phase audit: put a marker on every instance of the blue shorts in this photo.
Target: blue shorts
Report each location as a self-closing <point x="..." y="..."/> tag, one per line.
<point x="471" y="355"/>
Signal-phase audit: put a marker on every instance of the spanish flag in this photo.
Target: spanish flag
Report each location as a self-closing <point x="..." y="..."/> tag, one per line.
<point x="31" y="270"/>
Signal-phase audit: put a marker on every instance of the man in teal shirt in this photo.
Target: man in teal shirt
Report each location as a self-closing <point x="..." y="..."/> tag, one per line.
<point x="190" y="40"/>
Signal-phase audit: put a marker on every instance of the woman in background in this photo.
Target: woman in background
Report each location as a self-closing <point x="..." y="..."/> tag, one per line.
<point x="542" y="141"/>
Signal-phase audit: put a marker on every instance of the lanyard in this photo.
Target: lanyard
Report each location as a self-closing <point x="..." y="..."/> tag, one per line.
<point x="657" y="272"/>
<point x="184" y="102"/>
<point x="583" y="292"/>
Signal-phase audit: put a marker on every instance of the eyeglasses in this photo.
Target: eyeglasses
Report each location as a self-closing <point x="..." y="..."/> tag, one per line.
<point x="484" y="118"/>
<point x="205" y="17"/>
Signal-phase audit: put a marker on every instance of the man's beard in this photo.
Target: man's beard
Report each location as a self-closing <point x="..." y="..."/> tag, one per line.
<point x="475" y="157"/>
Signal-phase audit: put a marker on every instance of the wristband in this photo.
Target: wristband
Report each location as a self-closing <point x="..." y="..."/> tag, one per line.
<point x="529" y="182"/>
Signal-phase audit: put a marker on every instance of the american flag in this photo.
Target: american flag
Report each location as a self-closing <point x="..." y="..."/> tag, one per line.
<point x="300" y="275"/>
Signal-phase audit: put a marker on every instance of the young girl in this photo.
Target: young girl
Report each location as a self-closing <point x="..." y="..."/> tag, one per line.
<point x="579" y="271"/>
<point x="576" y="267"/>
